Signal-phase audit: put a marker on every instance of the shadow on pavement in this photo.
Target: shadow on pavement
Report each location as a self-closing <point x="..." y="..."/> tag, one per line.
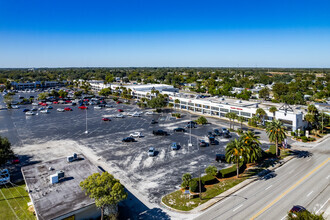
<point x="301" y="153"/>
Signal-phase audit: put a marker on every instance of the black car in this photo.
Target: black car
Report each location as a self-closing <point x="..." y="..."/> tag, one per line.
<point x="202" y="143"/>
<point x="159" y="132"/>
<point x="189" y="125"/>
<point x="220" y="158"/>
<point x="153" y="121"/>
<point x="227" y="135"/>
<point x="179" y="130"/>
<point x="128" y="139"/>
<point x="212" y="141"/>
<point x="210" y="134"/>
<point x="26" y="110"/>
<point x="216" y="132"/>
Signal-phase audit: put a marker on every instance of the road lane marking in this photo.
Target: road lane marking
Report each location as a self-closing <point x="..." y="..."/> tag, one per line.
<point x="328" y="177"/>
<point x="237" y="207"/>
<point x="309" y="193"/>
<point x="290" y="189"/>
<point x="284" y="217"/>
<point x="268" y="187"/>
<point x="309" y="159"/>
<point x="317" y="212"/>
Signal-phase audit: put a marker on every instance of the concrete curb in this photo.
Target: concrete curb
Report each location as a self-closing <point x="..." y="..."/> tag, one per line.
<point x="229" y="192"/>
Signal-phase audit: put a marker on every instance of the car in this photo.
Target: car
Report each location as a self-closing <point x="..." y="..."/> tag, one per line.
<point x="82" y="107"/>
<point x="153" y="121"/>
<point x="67" y="109"/>
<point x="35" y="104"/>
<point x="227" y="135"/>
<point x="179" y="130"/>
<point x="189" y="125"/>
<point x="149" y="113"/>
<point x="297" y="208"/>
<point x="217" y="132"/>
<point x="45" y="111"/>
<point x="55" y="102"/>
<point x="159" y="132"/>
<point x="202" y="143"/>
<point x="136" y="134"/>
<point x="118" y="102"/>
<point x="220" y="158"/>
<point x="30" y="113"/>
<point x="68" y="101"/>
<point x="34" y="109"/>
<point x="120" y="110"/>
<point x="174" y="146"/>
<point x="43" y="104"/>
<point x="224" y="130"/>
<point x="128" y="139"/>
<point x="73" y="103"/>
<point x="26" y="110"/>
<point x="4" y="176"/>
<point x="49" y="107"/>
<point x="212" y="141"/>
<point x="60" y="110"/>
<point x="210" y="134"/>
<point x="120" y="116"/>
<point x="151" y="152"/>
<point x="106" y="119"/>
<point x="108" y="106"/>
<point x="41" y="108"/>
<point x="15" y="106"/>
<point x="97" y="107"/>
<point x="15" y="160"/>
<point x="136" y="114"/>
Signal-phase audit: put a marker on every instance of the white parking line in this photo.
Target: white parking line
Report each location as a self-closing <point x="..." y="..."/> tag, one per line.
<point x="309" y="159"/>
<point x="309" y="193"/>
<point x="284" y="217"/>
<point x="317" y="212"/>
<point x="268" y="187"/>
<point x="328" y="177"/>
<point x="237" y="207"/>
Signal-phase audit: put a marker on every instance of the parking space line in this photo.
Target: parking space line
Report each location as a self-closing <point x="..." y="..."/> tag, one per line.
<point x="237" y="207"/>
<point x="309" y="193"/>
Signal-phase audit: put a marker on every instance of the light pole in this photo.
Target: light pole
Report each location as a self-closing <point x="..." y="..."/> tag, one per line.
<point x="86" y="132"/>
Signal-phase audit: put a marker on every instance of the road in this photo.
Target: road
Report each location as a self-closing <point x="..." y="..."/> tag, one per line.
<point x="302" y="181"/>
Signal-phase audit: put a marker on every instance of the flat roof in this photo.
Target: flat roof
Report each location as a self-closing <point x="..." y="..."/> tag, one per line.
<point x="54" y="200"/>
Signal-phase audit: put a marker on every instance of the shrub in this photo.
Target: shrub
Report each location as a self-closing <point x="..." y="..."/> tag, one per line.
<point x="186" y="178"/>
<point x="304" y="138"/>
<point x="115" y="99"/>
<point x="292" y="133"/>
<point x="311" y="139"/>
<point x="170" y="105"/>
<point x="201" y="120"/>
<point x="193" y="185"/>
<point x="177" y="115"/>
<point x="211" y="170"/>
<point x="231" y="171"/>
<point x="272" y="149"/>
<point x="240" y="131"/>
<point x="209" y="180"/>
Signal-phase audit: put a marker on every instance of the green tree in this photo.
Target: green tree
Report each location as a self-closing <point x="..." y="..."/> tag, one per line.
<point x="305" y="215"/>
<point x="211" y="170"/>
<point x="42" y="96"/>
<point x="236" y="152"/>
<point x="105" y="190"/>
<point x="54" y="93"/>
<point x="63" y="93"/>
<point x="5" y="150"/>
<point x="157" y="102"/>
<point x="310" y="118"/>
<point x="264" y="93"/>
<point x="105" y="92"/>
<point x="261" y="114"/>
<point x="273" y="110"/>
<point x="241" y="119"/>
<point x="201" y="120"/>
<point x="276" y="133"/>
<point x="86" y="87"/>
<point x="252" y="143"/>
<point x="312" y="109"/>
<point x="186" y="178"/>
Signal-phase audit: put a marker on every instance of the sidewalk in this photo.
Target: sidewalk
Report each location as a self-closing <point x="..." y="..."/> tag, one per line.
<point x="310" y="144"/>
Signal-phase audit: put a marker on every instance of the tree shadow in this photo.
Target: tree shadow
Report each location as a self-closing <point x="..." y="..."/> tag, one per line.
<point x="301" y="153"/>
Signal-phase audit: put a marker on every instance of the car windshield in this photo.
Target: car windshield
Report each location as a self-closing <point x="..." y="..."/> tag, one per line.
<point x="150" y="150"/>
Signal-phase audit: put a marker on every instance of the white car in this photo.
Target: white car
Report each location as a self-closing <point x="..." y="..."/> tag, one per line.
<point x="45" y="111"/>
<point x="35" y="104"/>
<point x="136" y="134"/>
<point x="30" y="113"/>
<point x="136" y="114"/>
<point x="60" y="110"/>
<point x="149" y="113"/>
<point x="151" y="152"/>
<point x="120" y="116"/>
<point x="15" y="106"/>
<point x="97" y="107"/>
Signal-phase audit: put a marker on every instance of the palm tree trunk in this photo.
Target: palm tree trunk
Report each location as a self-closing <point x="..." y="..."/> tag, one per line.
<point x="237" y="168"/>
<point x="241" y="125"/>
<point x="276" y="147"/>
<point x="102" y="213"/>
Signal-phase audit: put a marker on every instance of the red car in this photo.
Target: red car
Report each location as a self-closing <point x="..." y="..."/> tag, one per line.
<point x="67" y="109"/>
<point x="44" y="104"/>
<point x="68" y="101"/>
<point x="15" y="160"/>
<point x="82" y="107"/>
<point x="120" y="110"/>
<point x="55" y="102"/>
<point x="106" y="119"/>
<point x="118" y="102"/>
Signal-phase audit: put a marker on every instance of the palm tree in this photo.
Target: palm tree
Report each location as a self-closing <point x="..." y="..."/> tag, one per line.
<point x="310" y="118"/>
<point x="241" y="119"/>
<point x="229" y="116"/>
<point x="234" y="116"/>
<point x="251" y="141"/>
<point x="176" y="101"/>
<point x="236" y="152"/>
<point x="273" y="110"/>
<point x="261" y="113"/>
<point x="276" y="133"/>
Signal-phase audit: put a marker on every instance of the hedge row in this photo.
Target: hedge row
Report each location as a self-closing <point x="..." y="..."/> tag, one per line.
<point x="231" y="171"/>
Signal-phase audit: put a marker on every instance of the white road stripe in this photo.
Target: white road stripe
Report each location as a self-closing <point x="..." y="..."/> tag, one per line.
<point x="328" y="177"/>
<point x="317" y="212"/>
<point x="309" y="159"/>
<point x="309" y="193"/>
<point x="268" y="187"/>
<point x="237" y="207"/>
<point x="284" y="217"/>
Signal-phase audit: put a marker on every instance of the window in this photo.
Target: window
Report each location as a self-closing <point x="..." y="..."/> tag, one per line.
<point x="191" y="104"/>
<point x="246" y="114"/>
<point x="224" y="110"/>
<point x="215" y="108"/>
<point x="183" y="103"/>
<point x="198" y="105"/>
<point x="234" y="111"/>
<point x="206" y="106"/>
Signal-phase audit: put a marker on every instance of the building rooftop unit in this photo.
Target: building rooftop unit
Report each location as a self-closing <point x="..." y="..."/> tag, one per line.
<point x="59" y="199"/>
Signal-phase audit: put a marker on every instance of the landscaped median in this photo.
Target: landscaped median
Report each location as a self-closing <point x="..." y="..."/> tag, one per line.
<point x="224" y="183"/>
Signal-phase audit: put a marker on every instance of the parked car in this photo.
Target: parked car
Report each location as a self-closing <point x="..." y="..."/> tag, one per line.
<point x="49" y="107"/>
<point x="118" y="102"/>
<point x="136" y="114"/>
<point x="67" y="109"/>
<point x="220" y="158"/>
<point x="106" y="119"/>
<point x="120" y="116"/>
<point x="212" y="140"/>
<point x="30" y="113"/>
<point x="153" y="121"/>
<point x="179" y="130"/>
<point x="202" y="143"/>
<point x="174" y="146"/>
<point x="149" y="113"/>
<point x="120" y="110"/>
<point x="151" y="152"/>
<point x="159" y="132"/>
<point x="34" y="109"/>
<point x="55" y="102"/>
<point x="15" y="160"/>
<point x="190" y="125"/>
<point x="136" y="134"/>
<point x="224" y="130"/>
<point x="210" y="134"/>
<point x="60" y="110"/>
<point x="45" y="111"/>
<point x="297" y="208"/>
<point x="82" y="107"/>
<point x="97" y="107"/>
<point x="217" y="132"/>
<point x="128" y="139"/>
<point x="26" y="110"/>
<point x="4" y="176"/>
<point x="227" y="135"/>
<point x="109" y="106"/>
<point x="15" y="106"/>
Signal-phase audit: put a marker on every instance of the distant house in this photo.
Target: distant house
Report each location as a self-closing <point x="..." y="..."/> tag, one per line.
<point x="54" y="189"/>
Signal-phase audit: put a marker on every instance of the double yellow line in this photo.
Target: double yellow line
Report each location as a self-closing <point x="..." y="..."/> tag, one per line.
<point x="290" y="189"/>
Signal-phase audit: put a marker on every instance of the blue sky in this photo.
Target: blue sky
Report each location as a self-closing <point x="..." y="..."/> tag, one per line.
<point x="262" y="33"/>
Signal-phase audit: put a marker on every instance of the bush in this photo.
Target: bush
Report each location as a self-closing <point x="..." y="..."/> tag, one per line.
<point x="231" y="171"/>
<point x="240" y="131"/>
<point x="209" y="180"/>
<point x="201" y="120"/>
<point x="272" y="149"/>
<point x="304" y="138"/>
<point x="186" y="178"/>
<point x="292" y="133"/>
<point x="193" y="185"/>
<point x="211" y="170"/>
<point x="311" y="139"/>
<point x="115" y="99"/>
<point x="177" y="115"/>
<point x="170" y="105"/>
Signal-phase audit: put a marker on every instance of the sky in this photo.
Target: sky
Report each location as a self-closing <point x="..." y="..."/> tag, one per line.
<point x="159" y="33"/>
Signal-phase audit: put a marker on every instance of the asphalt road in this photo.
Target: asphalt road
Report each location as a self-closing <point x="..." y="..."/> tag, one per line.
<point x="302" y="181"/>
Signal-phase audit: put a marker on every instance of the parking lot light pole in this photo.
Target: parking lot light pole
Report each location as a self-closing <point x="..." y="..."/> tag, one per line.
<point x="200" y="186"/>
<point x="86" y="132"/>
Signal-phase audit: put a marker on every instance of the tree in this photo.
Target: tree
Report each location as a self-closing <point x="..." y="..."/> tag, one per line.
<point x="310" y="118"/>
<point x="54" y="93"/>
<point x="276" y="132"/>
<point x="236" y="152"/>
<point x="241" y="119"/>
<point x="105" y="92"/>
<point x="312" y="109"/>
<point x="104" y="189"/>
<point x="252" y="143"/>
<point x="5" y="150"/>
<point x="201" y="120"/>
<point x="261" y="114"/>
<point x="211" y="170"/>
<point x="157" y="102"/>
<point x="229" y="116"/>
<point x="177" y="102"/>
<point x="305" y="215"/>
<point x="264" y="93"/>
<point x="186" y="178"/>
<point x="234" y="116"/>
<point x="42" y="96"/>
<point x="86" y="87"/>
<point x="63" y="93"/>
<point x="273" y="110"/>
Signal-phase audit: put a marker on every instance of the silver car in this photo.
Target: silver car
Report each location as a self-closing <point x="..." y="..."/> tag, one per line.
<point x="151" y="152"/>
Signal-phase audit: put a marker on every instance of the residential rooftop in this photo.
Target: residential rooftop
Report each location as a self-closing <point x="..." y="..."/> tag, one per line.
<point x="54" y="200"/>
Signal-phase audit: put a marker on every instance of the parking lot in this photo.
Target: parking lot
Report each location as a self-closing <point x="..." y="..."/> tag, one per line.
<point x="153" y="177"/>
